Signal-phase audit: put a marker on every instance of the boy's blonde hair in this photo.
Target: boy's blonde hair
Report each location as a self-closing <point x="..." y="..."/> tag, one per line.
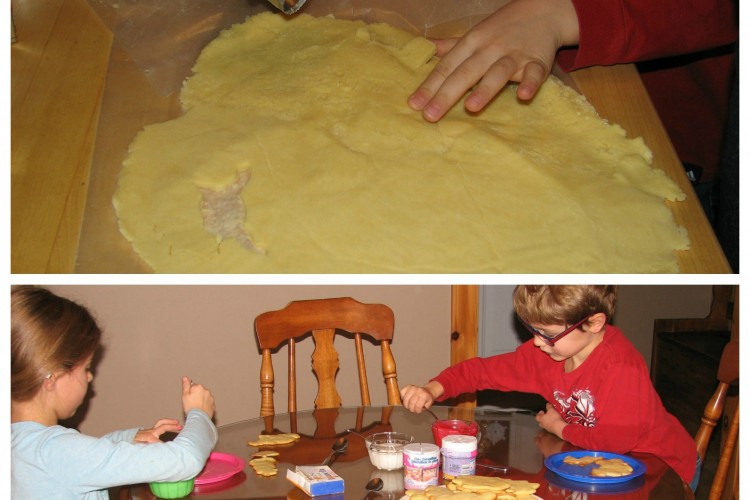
<point x="47" y="333"/>
<point x="563" y="304"/>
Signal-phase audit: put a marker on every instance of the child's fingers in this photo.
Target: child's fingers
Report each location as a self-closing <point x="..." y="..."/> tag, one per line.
<point x="534" y="75"/>
<point x="162" y="426"/>
<point x="446" y="83"/>
<point x="146" y="436"/>
<point x="167" y="427"/>
<point x="166" y="422"/>
<point x="425" y="94"/>
<point x="435" y="107"/>
<point x="444" y="45"/>
<point x="494" y="79"/>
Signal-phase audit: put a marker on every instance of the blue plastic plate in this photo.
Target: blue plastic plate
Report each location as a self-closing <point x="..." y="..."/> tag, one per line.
<point x="583" y="474"/>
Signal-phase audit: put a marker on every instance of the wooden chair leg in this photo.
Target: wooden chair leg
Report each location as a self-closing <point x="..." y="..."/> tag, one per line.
<point x="727" y="452"/>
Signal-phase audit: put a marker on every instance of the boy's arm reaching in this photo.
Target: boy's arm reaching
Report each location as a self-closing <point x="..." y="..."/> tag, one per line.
<point x="519" y="42"/>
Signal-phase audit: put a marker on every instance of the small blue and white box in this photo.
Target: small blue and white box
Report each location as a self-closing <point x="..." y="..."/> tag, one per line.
<point x="316" y="480"/>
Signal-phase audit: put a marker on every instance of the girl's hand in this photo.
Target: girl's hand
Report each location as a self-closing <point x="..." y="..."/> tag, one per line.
<point x="518" y="43"/>
<point x="551" y="421"/>
<point x="197" y="396"/>
<point x="160" y="427"/>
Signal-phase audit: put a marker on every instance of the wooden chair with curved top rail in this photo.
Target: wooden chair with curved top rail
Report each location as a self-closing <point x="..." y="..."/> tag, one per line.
<point x="714" y="342"/>
<point x="729" y="372"/>
<point x="324" y="320"/>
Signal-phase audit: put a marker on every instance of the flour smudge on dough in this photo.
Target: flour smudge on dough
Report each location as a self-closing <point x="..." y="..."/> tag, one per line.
<point x="224" y="213"/>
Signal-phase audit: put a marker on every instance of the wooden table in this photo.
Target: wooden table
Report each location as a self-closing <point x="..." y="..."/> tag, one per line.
<point x="58" y="70"/>
<point x="508" y="438"/>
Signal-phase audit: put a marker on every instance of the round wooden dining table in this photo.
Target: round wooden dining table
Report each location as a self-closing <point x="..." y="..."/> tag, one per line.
<point x="511" y="445"/>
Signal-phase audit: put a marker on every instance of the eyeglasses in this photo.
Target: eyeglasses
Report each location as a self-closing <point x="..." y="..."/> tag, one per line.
<point x="550" y="341"/>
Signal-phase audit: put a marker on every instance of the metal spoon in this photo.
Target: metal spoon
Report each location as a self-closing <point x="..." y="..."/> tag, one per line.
<point x="373" y="485"/>
<point x="339" y="446"/>
<point x="501" y="468"/>
<point x="352" y="431"/>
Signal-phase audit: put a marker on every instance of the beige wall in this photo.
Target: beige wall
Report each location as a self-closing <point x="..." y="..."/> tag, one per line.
<point x="639" y="306"/>
<point x="155" y="334"/>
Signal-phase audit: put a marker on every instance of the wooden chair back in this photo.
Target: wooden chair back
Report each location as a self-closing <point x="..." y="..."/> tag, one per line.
<point x="725" y="460"/>
<point x="713" y="341"/>
<point x="324" y="320"/>
<point x="728" y="373"/>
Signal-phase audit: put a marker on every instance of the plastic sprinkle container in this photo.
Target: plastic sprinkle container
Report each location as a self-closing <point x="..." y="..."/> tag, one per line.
<point x="459" y="456"/>
<point x="421" y="465"/>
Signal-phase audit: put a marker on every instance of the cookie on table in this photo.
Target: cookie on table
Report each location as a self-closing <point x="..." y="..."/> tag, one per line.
<point x="521" y="487"/>
<point x="472" y="495"/>
<point x="265" y="453"/>
<point x="441" y="493"/>
<point x="582" y="461"/>
<point x="479" y="484"/>
<point x="264" y="466"/>
<point x="477" y="488"/>
<point x="274" y="439"/>
<point x="613" y="467"/>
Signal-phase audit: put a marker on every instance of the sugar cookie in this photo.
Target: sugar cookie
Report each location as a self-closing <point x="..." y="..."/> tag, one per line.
<point x="266" y="453"/>
<point x="605" y="467"/>
<point x="274" y="439"/>
<point x="613" y="467"/>
<point x="480" y="483"/>
<point x="582" y="461"/>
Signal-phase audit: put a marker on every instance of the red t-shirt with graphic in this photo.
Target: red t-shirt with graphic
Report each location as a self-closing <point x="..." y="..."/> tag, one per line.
<point x="609" y="400"/>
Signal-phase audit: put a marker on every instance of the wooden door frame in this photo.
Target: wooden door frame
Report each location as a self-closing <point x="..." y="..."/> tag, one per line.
<point x="464" y="331"/>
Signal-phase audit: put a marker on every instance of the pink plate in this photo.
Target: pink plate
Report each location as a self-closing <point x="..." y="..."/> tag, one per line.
<point x="220" y="466"/>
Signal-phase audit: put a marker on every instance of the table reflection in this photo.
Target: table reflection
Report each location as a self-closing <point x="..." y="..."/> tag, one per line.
<point x="510" y="440"/>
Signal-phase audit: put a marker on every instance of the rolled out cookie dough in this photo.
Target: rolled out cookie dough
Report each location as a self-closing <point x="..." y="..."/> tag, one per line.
<point x="297" y="153"/>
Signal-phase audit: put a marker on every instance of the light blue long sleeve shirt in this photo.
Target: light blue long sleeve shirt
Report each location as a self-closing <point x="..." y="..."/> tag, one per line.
<point x="59" y="463"/>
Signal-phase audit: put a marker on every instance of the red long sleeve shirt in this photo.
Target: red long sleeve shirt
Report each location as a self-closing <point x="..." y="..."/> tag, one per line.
<point x="622" y="31"/>
<point x="608" y="400"/>
<point x="691" y="94"/>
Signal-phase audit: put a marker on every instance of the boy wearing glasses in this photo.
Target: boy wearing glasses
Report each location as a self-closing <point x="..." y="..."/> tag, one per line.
<point x="598" y="391"/>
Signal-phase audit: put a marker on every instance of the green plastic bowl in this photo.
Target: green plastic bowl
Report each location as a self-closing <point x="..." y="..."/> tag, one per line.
<point x="177" y="489"/>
